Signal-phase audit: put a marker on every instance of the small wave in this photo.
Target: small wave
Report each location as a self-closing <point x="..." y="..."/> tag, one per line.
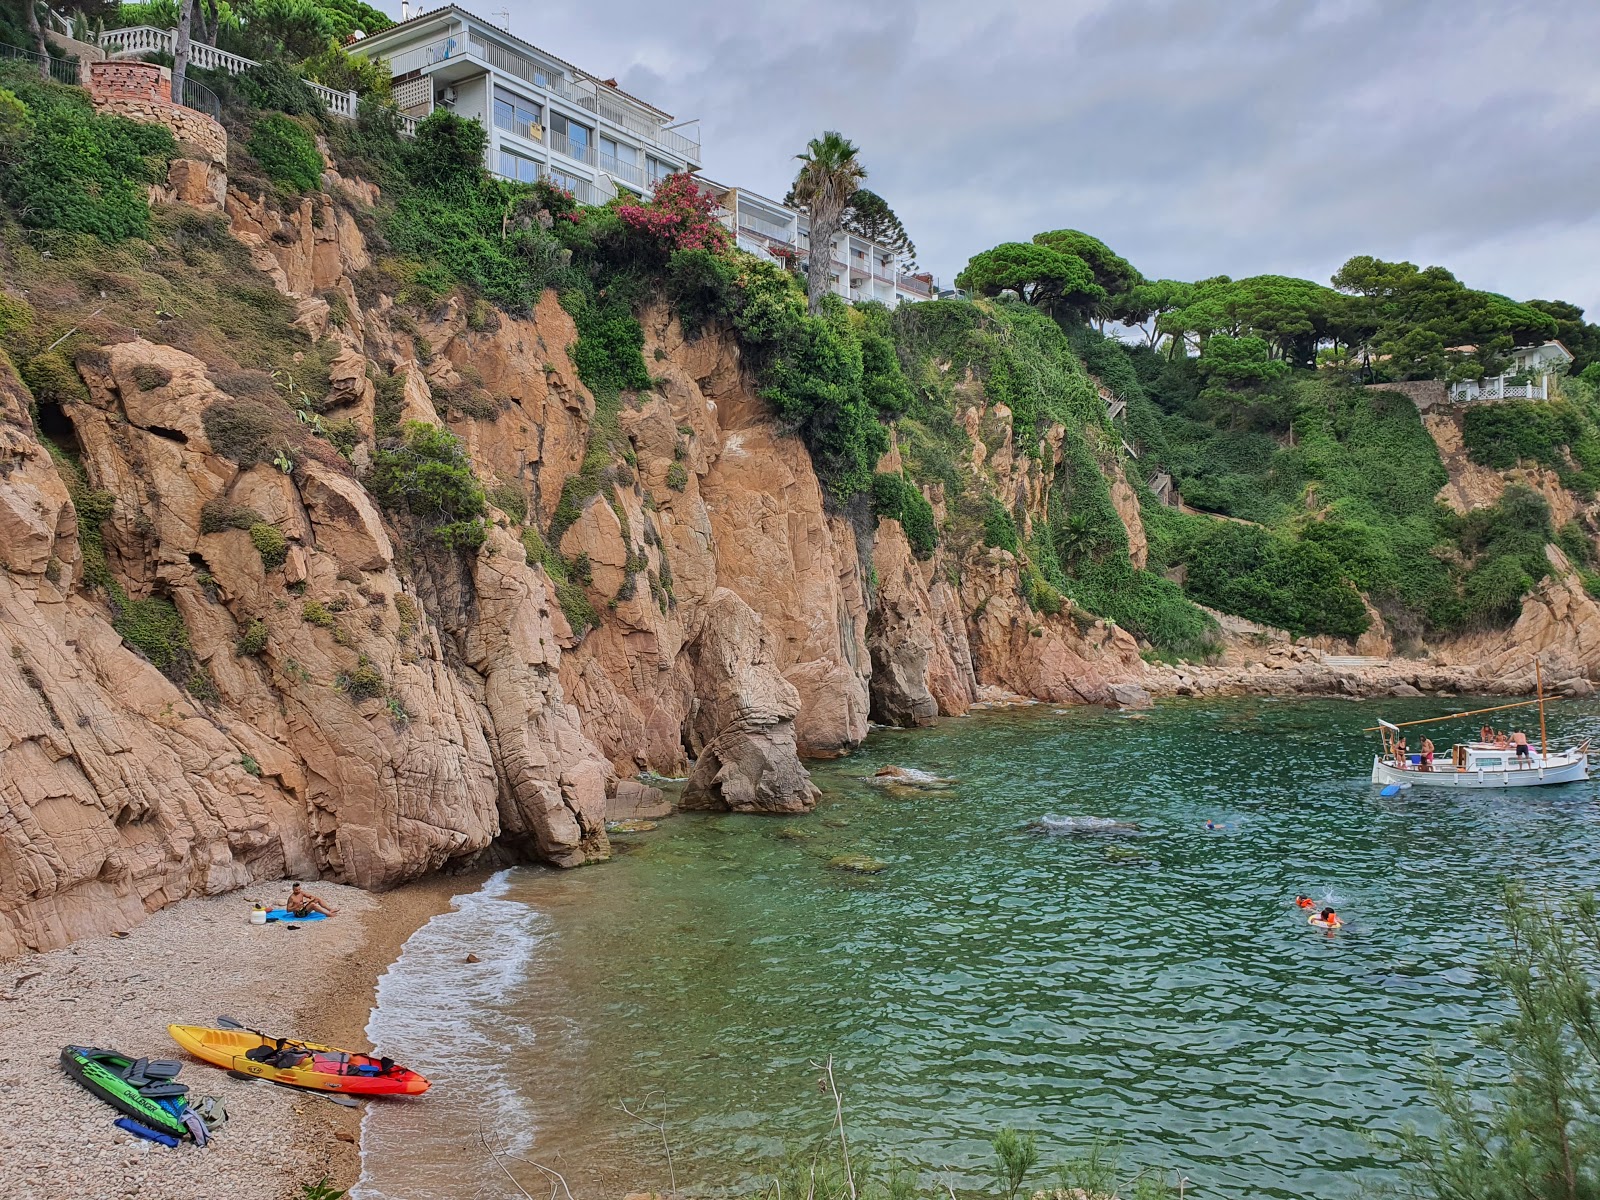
<point x="909" y="777"/>
<point x="449" y="1020"/>
<point x="1081" y="826"/>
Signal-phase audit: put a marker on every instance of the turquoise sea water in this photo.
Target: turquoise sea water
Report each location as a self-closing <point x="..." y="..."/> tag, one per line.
<point x="1155" y="985"/>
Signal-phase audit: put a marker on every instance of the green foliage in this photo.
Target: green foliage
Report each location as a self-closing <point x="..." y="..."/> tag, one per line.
<point x="1239" y="363"/>
<point x="52" y="379"/>
<point x="217" y="515"/>
<point x="1558" y="434"/>
<point x="1296" y="586"/>
<point x="1575" y="544"/>
<point x="677" y="477"/>
<point x="286" y="152"/>
<point x="869" y="216"/>
<point x="430" y="476"/>
<point x="274" y="88"/>
<point x="1113" y="274"/>
<point x="1290" y="315"/>
<point x="700" y="285"/>
<point x="999" y="530"/>
<point x="270" y="544"/>
<point x="580" y="613"/>
<point x="314" y="612"/>
<point x="1533" y="1131"/>
<point x="250" y="766"/>
<point x="253" y="641"/>
<point x="895" y="497"/>
<point x="1016" y="1155"/>
<point x="153" y="627"/>
<point x="67" y="167"/>
<point x="333" y="67"/>
<point x="1039" y="275"/>
<point x="244" y="430"/>
<point x="363" y="682"/>
<point x="608" y="353"/>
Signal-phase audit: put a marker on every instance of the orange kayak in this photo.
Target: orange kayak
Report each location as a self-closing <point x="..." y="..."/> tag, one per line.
<point x="298" y="1064"/>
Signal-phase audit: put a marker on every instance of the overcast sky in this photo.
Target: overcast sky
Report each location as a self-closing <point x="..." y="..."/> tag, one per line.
<point x="1197" y="137"/>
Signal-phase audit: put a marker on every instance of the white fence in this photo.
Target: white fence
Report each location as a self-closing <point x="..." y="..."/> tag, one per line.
<point x="1499" y="388"/>
<point x="147" y="39"/>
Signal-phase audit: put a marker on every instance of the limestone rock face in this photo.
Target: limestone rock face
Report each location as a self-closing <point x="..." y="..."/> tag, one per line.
<point x="744" y="726"/>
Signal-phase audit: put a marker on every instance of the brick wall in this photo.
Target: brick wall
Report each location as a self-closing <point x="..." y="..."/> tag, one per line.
<point x="143" y="92"/>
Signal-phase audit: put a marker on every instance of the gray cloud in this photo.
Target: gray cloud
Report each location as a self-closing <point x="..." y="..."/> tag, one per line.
<point x="1198" y="137"/>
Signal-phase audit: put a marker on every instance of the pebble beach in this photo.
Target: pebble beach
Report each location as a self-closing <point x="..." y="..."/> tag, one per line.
<point x="189" y="963"/>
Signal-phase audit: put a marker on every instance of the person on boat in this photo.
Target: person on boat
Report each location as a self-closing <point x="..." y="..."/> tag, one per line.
<point x="1400" y="755"/>
<point x="1483" y="734"/>
<point x="1327" y="918"/>
<point x="1304" y="902"/>
<point x="1501" y="742"/>
<point x="1520" y="741"/>
<point x="1427" y="754"/>
<point x="302" y="903"/>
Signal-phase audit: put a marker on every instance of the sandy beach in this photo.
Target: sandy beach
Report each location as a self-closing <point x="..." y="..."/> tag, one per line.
<point x="189" y="963"/>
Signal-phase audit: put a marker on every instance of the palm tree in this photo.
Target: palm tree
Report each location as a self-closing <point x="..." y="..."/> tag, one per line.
<point x="828" y="178"/>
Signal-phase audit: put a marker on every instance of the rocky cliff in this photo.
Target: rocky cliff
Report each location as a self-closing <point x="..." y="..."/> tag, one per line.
<point x="224" y="661"/>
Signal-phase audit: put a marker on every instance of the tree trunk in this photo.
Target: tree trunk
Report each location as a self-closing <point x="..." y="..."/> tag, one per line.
<point x="823" y="227"/>
<point x="39" y="45"/>
<point x="180" y="49"/>
<point x="208" y="33"/>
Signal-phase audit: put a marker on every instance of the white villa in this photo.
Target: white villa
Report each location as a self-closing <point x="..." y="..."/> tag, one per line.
<point x="862" y="270"/>
<point x="545" y="117"/>
<point x="1532" y="369"/>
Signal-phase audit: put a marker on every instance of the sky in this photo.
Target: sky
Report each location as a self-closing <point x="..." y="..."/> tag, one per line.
<point x="1195" y="137"/>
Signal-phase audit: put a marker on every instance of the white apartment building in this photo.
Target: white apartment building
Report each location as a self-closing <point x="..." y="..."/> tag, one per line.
<point x="862" y="270"/>
<point x="545" y="117"/>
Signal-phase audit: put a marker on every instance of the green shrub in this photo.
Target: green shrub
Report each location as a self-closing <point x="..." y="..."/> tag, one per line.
<point x="364" y="682"/>
<point x="253" y="641"/>
<point x="250" y="766"/>
<point x="677" y="477"/>
<point x="1575" y="543"/>
<point x="154" y="628"/>
<point x="217" y="515"/>
<point x="287" y="153"/>
<point x="270" y="544"/>
<point x="999" y="530"/>
<point x="16" y="317"/>
<point x="275" y="88"/>
<point x="430" y="476"/>
<point x="510" y="499"/>
<point x="71" y="168"/>
<point x="895" y="497"/>
<point x="244" y="430"/>
<point x="314" y="612"/>
<point x="53" y="380"/>
<point x="579" y="611"/>
<point x="1296" y="586"/>
<point x="700" y="285"/>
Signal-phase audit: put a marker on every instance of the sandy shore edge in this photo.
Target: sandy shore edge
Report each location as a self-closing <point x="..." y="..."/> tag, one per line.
<point x="188" y="963"/>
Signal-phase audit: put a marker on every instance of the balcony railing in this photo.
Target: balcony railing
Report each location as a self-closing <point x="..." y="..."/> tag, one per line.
<point x="1499" y="388"/>
<point x="628" y="172"/>
<point x="577" y="151"/>
<point x="147" y="39"/>
<point x="910" y="283"/>
<point x="582" y="191"/>
<point x="61" y="70"/>
<point x="768" y="229"/>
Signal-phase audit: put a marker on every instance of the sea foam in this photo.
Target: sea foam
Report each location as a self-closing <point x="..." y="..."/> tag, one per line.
<point x="456" y="1023"/>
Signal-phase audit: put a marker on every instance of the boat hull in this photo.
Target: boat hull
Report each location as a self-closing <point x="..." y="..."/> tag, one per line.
<point x="1571" y="767"/>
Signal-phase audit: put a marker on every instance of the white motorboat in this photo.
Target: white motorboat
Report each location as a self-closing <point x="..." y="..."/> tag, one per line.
<point x="1490" y="762"/>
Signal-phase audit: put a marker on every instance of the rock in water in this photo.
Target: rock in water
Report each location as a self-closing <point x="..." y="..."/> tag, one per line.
<point x="859" y="864"/>
<point x="909" y="777"/>
<point x="1081" y="826"/>
<point x="632" y="826"/>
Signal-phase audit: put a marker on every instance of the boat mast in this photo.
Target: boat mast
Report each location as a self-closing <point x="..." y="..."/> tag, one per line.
<point x="1538" y="676"/>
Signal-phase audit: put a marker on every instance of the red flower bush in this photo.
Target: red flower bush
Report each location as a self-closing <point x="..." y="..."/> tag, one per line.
<point x="681" y="217"/>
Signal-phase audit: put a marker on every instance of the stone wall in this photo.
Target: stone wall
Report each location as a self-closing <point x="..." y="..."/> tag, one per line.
<point x="143" y="92"/>
<point x="1424" y="393"/>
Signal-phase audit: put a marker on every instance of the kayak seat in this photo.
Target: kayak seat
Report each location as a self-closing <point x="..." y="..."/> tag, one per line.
<point x="260" y="1054"/>
<point x="164" y="1090"/>
<point x="161" y="1068"/>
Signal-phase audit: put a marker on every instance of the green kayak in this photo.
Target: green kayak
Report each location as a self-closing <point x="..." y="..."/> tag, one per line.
<point x="101" y="1072"/>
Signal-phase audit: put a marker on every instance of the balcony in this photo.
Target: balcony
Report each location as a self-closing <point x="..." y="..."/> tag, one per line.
<point x="577" y="151"/>
<point x="627" y="172"/>
<point x="767" y="229"/>
<point x="1499" y="388"/>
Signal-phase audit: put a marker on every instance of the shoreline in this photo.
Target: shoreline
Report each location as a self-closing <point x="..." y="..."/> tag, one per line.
<point x="188" y="963"/>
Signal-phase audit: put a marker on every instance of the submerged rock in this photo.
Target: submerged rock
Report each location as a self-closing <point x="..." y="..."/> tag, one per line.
<point x="1082" y="826"/>
<point x="859" y="864"/>
<point x="632" y="826"/>
<point x="909" y="777"/>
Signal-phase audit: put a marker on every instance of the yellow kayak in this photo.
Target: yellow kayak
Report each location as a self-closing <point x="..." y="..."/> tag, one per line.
<point x="298" y="1064"/>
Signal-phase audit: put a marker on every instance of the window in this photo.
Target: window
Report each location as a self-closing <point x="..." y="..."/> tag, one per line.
<point x="618" y="151"/>
<point x="656" y="170"/>
<point x="518" y="167"/>
<point x="571" y="139"/>
<point x="519" y="116"/>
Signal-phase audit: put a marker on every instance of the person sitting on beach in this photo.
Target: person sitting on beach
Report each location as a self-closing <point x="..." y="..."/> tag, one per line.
<point x="1520" y="741"/>
<point x="302" y="904"/>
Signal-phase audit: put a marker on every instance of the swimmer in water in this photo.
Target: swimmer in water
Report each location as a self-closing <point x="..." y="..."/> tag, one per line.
<point x="1327" y="918"/>
<point x="1304" y="902"/>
